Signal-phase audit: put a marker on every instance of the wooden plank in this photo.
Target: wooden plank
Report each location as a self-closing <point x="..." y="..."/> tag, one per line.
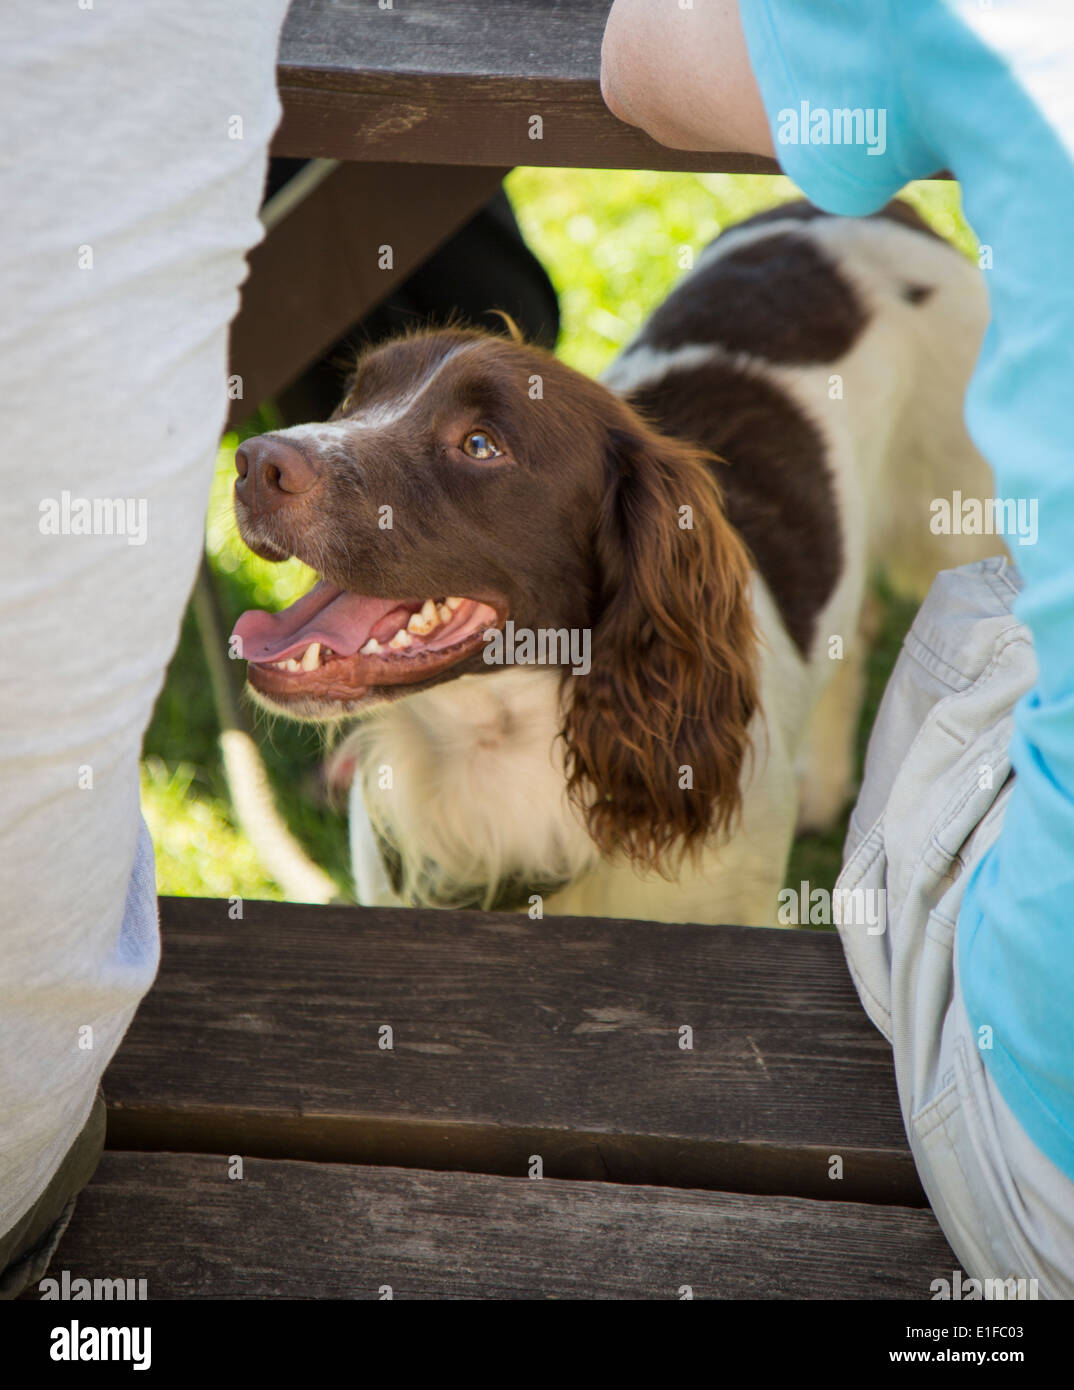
<point x="512" y="1037"/>
<point x="321" y="267"/>
<point x="458" y="82"/>
<point x="303" y="1230"/>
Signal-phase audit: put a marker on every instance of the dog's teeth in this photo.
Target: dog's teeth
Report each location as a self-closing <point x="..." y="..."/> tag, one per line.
<point x="311" y="657"/>
<point x="371" y="648"/>
<point x="401" y="639"/>
<point x="292" y="665"/>
<point x="423" y="623"/>
<point x="444" y="613"/>
<point x="454" y="603"/>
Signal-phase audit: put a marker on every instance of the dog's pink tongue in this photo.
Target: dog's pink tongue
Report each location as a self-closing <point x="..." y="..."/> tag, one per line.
<point x="326" y="614"/>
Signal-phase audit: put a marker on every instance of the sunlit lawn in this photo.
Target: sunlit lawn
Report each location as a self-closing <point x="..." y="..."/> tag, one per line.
<point x="612" y="243"/>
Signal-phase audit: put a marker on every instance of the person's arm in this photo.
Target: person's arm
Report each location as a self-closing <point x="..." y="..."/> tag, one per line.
<point x="683" y="75"/>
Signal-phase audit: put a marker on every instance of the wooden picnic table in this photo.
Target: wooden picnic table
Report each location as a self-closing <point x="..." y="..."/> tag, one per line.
<point x="537" y="1127"/>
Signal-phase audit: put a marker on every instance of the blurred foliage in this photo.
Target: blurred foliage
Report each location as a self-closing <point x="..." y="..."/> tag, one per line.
<point x="612" y="242"/>
<point x="200" y="849"/>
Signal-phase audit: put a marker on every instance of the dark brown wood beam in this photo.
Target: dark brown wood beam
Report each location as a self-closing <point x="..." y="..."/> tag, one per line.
<point x="460" y="120"/>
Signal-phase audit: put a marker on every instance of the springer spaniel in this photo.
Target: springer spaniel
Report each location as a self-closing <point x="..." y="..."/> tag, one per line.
<point x="605" y="641"/>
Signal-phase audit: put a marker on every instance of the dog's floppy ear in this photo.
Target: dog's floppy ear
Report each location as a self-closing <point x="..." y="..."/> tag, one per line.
<point x="657" y="732"/>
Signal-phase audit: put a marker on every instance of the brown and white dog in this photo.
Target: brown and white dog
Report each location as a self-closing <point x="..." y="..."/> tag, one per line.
<point x="687" y="546"/>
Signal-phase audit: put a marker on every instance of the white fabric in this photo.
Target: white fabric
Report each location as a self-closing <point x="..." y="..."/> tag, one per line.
<point x="119" y="142"/>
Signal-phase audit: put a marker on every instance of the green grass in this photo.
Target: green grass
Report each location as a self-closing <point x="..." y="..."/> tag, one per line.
<point x="613" y="244"/>
<point x="817" y="858"/>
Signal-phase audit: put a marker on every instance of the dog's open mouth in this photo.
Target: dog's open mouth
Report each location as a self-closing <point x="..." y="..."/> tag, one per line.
<point x="336" y="645"/>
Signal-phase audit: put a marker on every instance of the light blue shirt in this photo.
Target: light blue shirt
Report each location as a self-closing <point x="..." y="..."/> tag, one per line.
<point x="985" y="90"/>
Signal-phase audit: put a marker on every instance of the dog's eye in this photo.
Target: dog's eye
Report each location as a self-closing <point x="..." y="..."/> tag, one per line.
<point x="479" y="445"/>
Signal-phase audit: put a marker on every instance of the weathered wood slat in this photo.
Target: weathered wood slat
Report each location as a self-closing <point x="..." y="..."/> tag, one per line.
<point x="457" y="82"/>
<point x="304" y="1230"/>
<point x="513" y="1037"/>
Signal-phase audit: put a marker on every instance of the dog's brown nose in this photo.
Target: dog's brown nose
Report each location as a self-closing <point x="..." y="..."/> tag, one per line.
<point x="271" y="471"/>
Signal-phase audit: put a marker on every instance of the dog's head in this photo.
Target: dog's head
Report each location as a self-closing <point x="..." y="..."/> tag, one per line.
<point x="468" y="481"/>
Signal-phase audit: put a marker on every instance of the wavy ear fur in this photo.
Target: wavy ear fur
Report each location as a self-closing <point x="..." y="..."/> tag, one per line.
<point x="657" y="733"/>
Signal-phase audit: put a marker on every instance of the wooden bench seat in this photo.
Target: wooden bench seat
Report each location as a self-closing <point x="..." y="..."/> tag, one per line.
<point x="512" y="1037"/>
<point x="325" y="1230"/>
<point x="410" y="1166"/>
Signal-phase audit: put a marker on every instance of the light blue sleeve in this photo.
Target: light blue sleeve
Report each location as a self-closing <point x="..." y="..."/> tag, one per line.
<point x="840" y="123"/>
<point x="987" y="92"/>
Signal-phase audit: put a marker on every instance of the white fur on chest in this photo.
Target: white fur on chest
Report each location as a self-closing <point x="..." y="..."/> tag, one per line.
<point x="469" y="775"/>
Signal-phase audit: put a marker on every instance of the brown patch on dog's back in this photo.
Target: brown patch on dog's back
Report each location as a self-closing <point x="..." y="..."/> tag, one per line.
<point x="780" y="298"/>
<point x="895" y="211"/>
<point x="778" y="493"/>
